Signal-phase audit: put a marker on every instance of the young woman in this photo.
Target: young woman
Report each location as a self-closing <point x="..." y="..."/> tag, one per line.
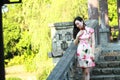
<point x="85" y="39"/>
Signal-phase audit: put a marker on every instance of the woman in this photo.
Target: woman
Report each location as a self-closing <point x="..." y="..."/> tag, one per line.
<point x="84" y="38"/>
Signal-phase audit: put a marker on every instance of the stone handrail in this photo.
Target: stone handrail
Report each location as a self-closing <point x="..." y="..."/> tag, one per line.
<point x="64" y="68"/>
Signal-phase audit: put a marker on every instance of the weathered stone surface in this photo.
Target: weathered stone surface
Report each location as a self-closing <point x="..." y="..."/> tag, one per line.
<point x="116" y="71"/>
<point x="64" y="68"/>
<point x="109" y="58"/>
<point x="107" y="66"/>
<point x="114" y="64"/>
<point x="101" y="65"/>
<point x="96" y="72"/>
<point x="106" y="77"/>
<point x="106" y="71"/>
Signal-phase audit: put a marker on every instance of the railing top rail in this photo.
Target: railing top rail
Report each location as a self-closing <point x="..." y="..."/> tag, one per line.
<point x="63" y="64"/>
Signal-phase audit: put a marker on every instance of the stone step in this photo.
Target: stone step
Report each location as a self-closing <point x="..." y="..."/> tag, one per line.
<point x="107" y="67"/>
<point x="106" y="71"/>
<point x="105" y="77"/>
<point x="110" y="53"/>
<point x="109" y="58"/>
<point x="108" y="64"/>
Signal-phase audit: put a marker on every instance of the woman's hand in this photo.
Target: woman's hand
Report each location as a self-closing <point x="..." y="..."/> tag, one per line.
<point x="79" y="34"/>
<point x="77" y="37"/>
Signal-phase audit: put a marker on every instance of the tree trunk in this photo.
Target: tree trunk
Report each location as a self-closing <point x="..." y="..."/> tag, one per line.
<point x="2" y="70"/>
<point x="93" y="9"/>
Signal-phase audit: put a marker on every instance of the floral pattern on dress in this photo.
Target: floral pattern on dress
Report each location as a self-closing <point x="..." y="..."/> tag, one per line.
<point x="84" y="51"/>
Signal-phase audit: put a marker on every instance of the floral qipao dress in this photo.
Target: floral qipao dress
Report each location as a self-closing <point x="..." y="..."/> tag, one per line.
<point x="85" y="54"/>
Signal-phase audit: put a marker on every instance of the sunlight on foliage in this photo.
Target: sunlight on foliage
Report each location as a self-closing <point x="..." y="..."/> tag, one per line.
<point x="13" y="78"/>
<point x="112" y="12"/>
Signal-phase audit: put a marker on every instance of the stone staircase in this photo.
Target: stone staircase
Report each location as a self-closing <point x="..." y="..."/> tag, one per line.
<point x="107" y="67"/>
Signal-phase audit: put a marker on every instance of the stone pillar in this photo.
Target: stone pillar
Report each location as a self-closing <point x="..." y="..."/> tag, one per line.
<point x="93" y="9"/>
<point x="103" y="5"/>
<point x="118" y="10"/>
<point x="93" y="14"/>
<point x="104" y="29"/>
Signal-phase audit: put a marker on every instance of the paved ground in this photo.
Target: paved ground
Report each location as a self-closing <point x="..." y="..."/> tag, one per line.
<point x="18" y="71"/>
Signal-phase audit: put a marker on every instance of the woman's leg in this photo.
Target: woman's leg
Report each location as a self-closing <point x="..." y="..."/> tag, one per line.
<point x="86" y="73"/>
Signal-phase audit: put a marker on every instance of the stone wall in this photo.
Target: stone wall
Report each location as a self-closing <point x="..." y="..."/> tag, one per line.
<point x="61" y="37"/>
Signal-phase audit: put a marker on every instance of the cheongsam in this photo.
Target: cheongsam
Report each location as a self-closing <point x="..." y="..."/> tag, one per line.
<point x="85" y="56"/>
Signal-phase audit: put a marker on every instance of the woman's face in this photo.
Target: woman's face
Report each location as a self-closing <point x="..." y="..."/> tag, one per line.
<point x="79" y="24"/>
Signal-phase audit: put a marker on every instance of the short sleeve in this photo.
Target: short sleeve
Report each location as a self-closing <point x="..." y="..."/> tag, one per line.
<point x="91" y="30"/>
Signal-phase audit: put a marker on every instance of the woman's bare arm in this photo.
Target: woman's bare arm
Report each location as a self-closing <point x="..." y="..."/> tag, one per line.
<point x="76" y="41"/>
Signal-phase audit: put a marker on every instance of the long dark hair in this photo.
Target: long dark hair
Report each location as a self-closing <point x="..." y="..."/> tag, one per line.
<point x="75" y="28"/>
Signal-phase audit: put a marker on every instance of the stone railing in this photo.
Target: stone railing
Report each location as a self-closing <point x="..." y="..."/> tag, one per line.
<point x="66" y="68"/>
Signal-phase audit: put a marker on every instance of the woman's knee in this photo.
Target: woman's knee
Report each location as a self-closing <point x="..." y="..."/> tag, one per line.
<point x="86" y="71"/>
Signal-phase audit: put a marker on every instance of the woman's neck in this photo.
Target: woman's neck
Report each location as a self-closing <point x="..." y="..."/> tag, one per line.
<point x="83" y="28"/>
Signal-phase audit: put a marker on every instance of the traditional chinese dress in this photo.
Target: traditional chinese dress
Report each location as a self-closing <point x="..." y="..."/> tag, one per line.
<point x="85" y="54"/>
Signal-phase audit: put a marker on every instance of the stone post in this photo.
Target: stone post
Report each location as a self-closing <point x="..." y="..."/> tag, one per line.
<point x="104" y="29"/>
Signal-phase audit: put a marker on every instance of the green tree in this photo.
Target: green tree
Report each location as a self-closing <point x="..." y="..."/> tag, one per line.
<point x="112" y="12"/>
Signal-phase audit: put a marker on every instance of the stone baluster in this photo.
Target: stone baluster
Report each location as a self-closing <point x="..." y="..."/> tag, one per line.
<point x="104" y="30"/>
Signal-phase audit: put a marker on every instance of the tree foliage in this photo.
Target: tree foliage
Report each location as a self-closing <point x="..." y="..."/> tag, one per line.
<point x="26" y="24"/>
<point x="112" y="12"/>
